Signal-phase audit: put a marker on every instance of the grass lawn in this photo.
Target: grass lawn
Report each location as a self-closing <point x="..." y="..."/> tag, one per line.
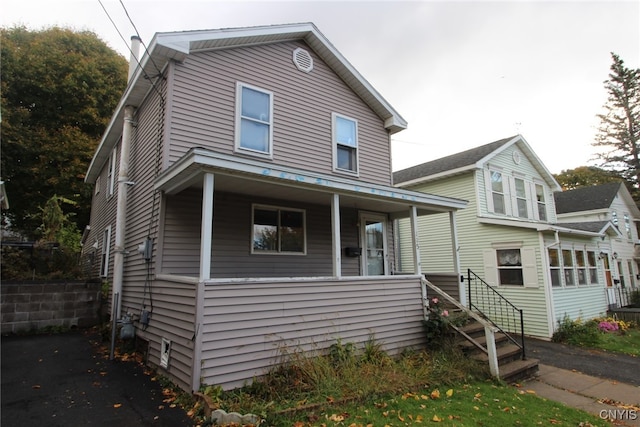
<point x="627" y="343"/>
<point x="476" y="404"/>
<point x="601" y="333"/>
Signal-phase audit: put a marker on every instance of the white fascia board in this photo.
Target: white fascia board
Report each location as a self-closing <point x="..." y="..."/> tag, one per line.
<point x="436" y="176"/>
<point x="563" y="230"/>
<point x="327" y="183"/>
<point x="509" y="222"/>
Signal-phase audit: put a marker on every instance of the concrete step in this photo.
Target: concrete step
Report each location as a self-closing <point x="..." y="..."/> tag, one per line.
<point x="517" y="370"/>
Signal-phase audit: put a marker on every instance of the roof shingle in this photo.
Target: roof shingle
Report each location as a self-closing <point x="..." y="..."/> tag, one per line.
<point x="586" y="198"/>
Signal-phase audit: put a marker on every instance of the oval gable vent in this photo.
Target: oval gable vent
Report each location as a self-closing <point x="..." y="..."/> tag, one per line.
<point x="303" y="60"/>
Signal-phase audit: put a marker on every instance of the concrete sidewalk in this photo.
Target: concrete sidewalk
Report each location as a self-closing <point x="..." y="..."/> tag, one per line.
<point x="607" y="399"/>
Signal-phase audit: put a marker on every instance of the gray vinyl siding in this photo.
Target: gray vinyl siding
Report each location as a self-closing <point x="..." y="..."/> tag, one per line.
<point x="232" y="237"/>
<point x="249" y="327"/>
<point x="203" y="114"/>
<point x="173" y="318"/>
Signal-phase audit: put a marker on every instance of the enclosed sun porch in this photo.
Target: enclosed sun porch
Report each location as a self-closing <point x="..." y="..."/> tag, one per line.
<point x="254" y="262"/>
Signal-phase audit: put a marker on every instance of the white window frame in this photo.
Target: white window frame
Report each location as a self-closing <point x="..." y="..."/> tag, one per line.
<point x="627" y="224"/>
<point x="520" y="198"/>
<point x="504" y="194"/>
<point x="376" y="218"/>
<point x="279" y="210"/>
<point x="555" y="268"/>
<point x="337" y="144"/>
<point x="592" y="267"/>
<point x="111" y="172"/>
<point x="614" y="219"/>
<point x="581" y="268"/>
<point x="97" y="186"/>
<point x="268" y="153"/>
<point x="568" y="268"/>
<point x="541" y="202"/>
<point x="106" y="252"/>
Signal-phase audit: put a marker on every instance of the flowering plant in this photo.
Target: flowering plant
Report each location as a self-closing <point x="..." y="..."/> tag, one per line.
<point x="613" y="325"/>
<point x="437" y="323"/>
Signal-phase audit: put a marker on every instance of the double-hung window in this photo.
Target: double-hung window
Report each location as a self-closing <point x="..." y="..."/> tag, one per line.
<point x="510" y="267"/>
<point x="554" y="267"/>
<point x="278" y="230"/>
<point x="567" y="262"/>
<point x="593" y="267"/>
<point x="497" y="192"/>
<point x="542" y="206"/>
<point x="582" y="268"/>
<point x="627" y="224"/>
<point x="254" y="120"/>
<point x="521" y="198"/>
<point x="111" y="173"/>
<point x="345" y="143"/>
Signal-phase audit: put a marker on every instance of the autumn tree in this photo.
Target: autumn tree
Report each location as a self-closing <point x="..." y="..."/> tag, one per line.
<point x="619" y="128"/>
<point x="585" y="176"/>
<point x="59" y="89"/>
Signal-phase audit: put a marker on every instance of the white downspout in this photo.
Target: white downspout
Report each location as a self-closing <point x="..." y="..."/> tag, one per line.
<point x="123" y="183"/>
<point x="121" y="211"/>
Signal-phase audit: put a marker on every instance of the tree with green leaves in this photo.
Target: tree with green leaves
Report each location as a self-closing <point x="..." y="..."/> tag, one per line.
<point x="59" y="90"/>
<point x="619" y="131"/>
<point x="585" y="176"/>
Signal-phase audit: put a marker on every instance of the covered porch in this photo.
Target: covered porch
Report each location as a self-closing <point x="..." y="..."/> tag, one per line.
<point x="326" y="272"/>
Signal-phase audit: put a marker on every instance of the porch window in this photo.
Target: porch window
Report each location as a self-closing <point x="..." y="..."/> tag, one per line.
<point x="521" y="198"/>
<point x="277" y="230"/>
<point x="631" y="275"/>
<point x="581" y="268"/>
<point x="593" y="267"/>
<point x="554" y="267"/>
<point x="567" y="262"/>
<point x="345" y="143"/>
<point x="510" y="267"/>
<point x="542" y="206"/>
<point x="497" y="192"/>
<point x="254" y="120"/>
<point x="106" y="248"/>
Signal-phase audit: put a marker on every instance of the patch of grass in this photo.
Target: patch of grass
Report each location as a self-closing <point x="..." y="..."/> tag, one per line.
<point x="475" y="404"/>
<point x="602" y="333"/>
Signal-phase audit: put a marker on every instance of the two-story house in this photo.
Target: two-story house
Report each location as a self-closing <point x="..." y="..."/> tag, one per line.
<point x="509" y="235"/>
<point x="607" y="202"/>
<point x="243" y="205"/>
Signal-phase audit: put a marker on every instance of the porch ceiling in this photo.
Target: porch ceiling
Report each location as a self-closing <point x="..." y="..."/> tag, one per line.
<point x="245" y="176"/>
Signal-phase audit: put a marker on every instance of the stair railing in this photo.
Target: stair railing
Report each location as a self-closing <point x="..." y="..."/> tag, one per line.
<point x="489" y="328"/>
<point x="495" y="308"/>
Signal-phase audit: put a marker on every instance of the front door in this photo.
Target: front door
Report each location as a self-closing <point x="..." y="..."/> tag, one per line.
<point x="373" y="234"/>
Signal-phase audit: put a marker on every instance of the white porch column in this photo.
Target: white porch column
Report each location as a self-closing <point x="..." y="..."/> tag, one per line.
<point x="206" y="236"/>
<point x="456" y="256"/>
<point x="413" y="218"/>
<point x="335" y="225"/>
<point x="206" y="227"/>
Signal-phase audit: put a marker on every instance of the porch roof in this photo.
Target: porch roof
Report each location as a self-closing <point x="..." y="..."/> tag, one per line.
<point x="246" y="176"/>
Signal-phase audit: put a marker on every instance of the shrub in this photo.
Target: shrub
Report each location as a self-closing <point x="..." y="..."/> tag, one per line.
<point x="576" y="332"/>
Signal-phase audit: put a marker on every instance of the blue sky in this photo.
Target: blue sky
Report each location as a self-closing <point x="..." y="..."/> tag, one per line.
<point x="462" y="73"/>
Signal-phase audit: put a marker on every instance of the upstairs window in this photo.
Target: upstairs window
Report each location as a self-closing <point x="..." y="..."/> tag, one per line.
<point x="627" y="225"/>
<point x="345" y="143"/>
<point x="278" y="230"/>
<point x="614" y="218"/>
<point x="111" y="174"/>
<point x="497" y="192"/>
<point x="254" y="120"/>
<point x="542" y="205"/>
<point x="521" y="198"/>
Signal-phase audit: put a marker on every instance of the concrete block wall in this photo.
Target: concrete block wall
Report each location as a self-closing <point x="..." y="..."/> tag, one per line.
<point x="32" y="306"/>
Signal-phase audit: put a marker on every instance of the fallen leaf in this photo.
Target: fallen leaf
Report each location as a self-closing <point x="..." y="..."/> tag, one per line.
<point x="450" y="392"/>
<point x="436" y="419"/>
<point x="36" y="386"/>
<point x="435" y="394"/>
<point x="117" y="405"/>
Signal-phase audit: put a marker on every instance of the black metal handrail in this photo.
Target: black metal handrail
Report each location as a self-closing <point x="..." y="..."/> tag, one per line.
<point x="495" y="308"/>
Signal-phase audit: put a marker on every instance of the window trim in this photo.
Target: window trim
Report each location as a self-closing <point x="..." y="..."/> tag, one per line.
<point x="540" y="204"/>
<point x="335" y="144"/>
<point x="627" y="224"/>
<point x="506" y="196"/>
<point x="106" y="252"/>
<point x="238" y="148"/>
<point x="279" y="209"/>
<point x="517" y="198"/>
<point x="111" y="173"/>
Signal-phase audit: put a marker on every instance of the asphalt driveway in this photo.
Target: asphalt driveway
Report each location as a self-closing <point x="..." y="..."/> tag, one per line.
<point x="597" y="363"/>
<point x="65" y="380"/>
